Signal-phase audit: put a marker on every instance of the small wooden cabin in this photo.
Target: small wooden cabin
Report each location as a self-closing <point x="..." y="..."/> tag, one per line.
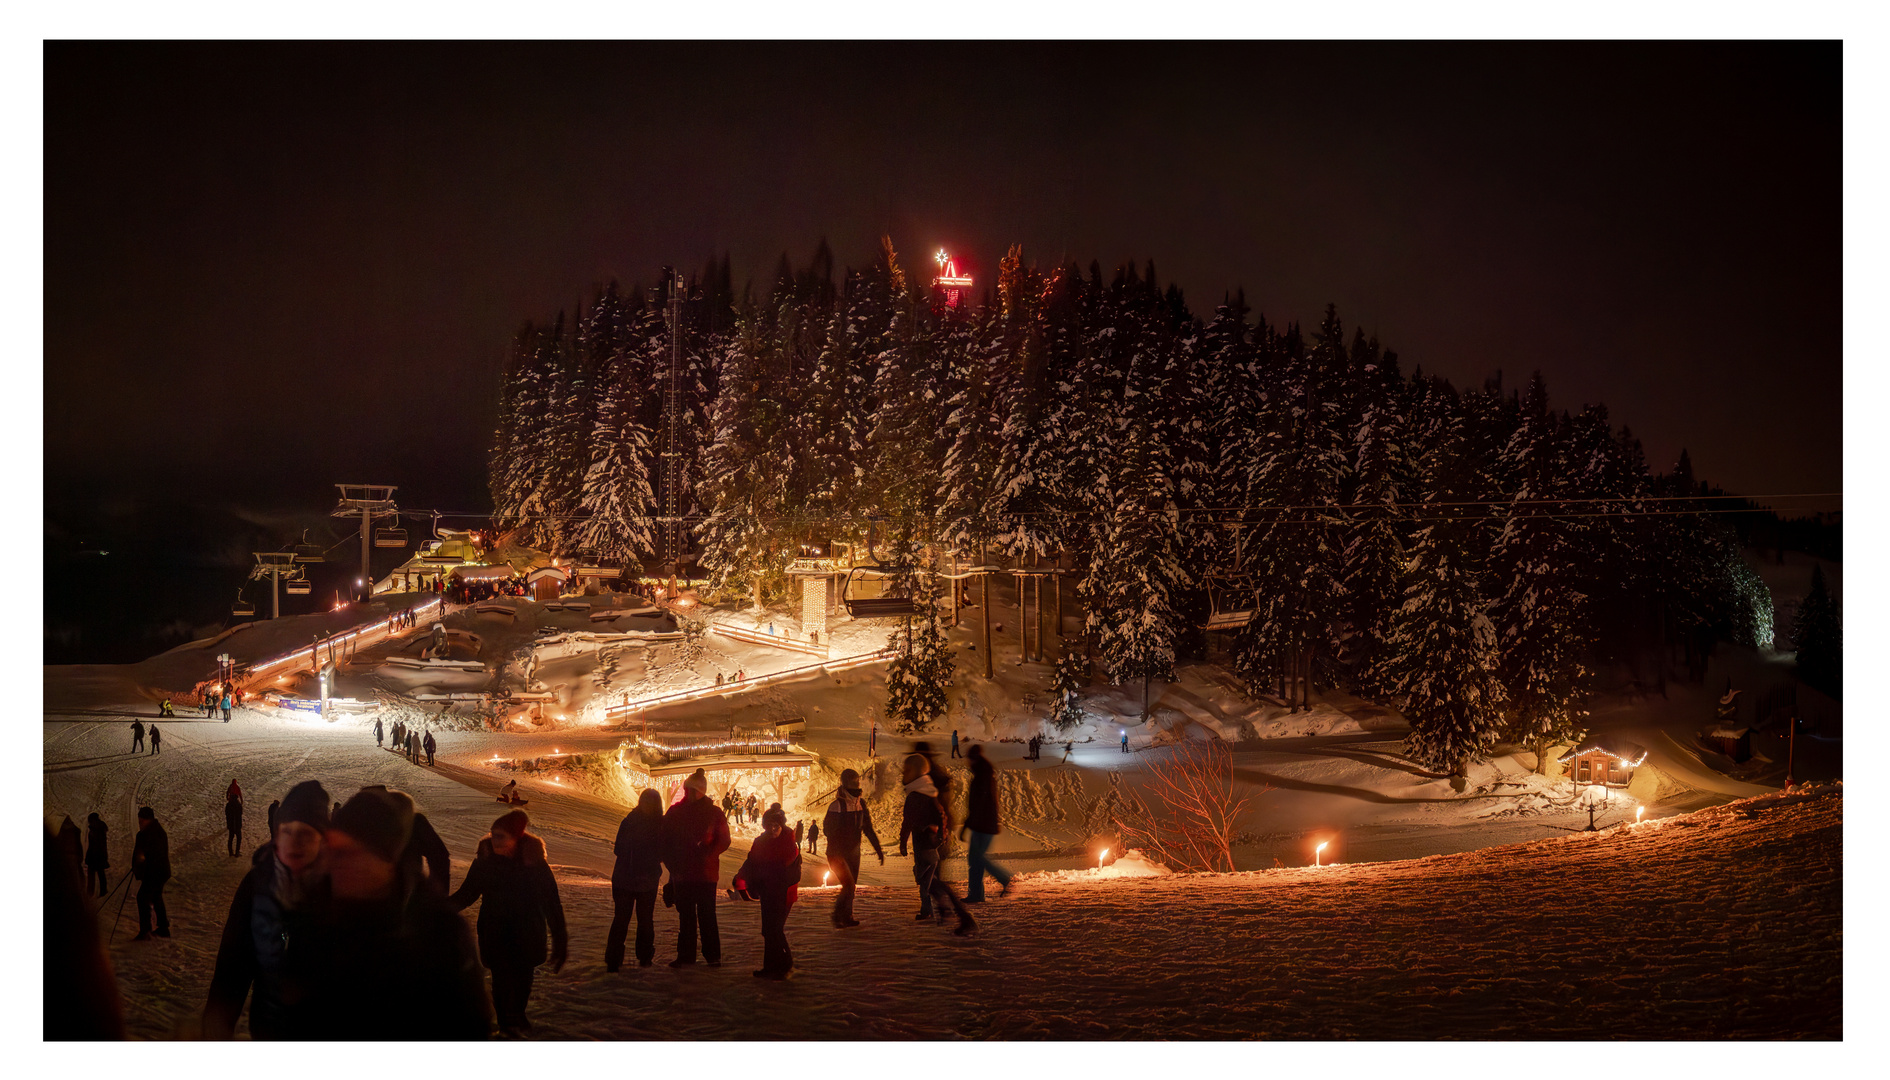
<point x="547" y="582"/>
<point x="1604" y="760"/>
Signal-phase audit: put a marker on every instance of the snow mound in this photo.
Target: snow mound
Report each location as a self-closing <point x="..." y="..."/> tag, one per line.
<point x="1135" y="864"/>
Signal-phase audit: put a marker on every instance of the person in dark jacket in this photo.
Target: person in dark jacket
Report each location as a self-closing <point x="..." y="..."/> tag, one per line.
<point x="926" y="824"/>
<point x="695" y="834"/>
<point x="98" y="857"/>
<point x="151" y="865"/>
<point x="137" y="736"/>
<point x="772" y="875"/>
<point x="275" y="807"/>
<point x="272" y="908"/>
<point x="379" y="731"/>
<point x="846" y="822"/>
<point x="383" y="938"/>
<point x="955" y="752"/>
<point x="427" y="848"/>
<point x="520" y="896"/>
<point x="233" y="824"/>
<point x="429" y="746"/>
<point x="72" y="846"/>
<point x="813" y="837"/>
<point x="78" y="994"/>
<point x="981" y="820"/>
<point x="633" y="880"/>
<point x="154" y="738"/>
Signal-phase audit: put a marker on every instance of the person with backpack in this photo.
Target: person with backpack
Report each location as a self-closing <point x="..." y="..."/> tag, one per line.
<point x="634" y="879"/>
<point x="429" y="745"/>
<point x="847" y="821"/>
<point x="772" y="875"/>
<point x="521" y="902"/>
<point x="694" y="836"/>
<point x="926" y="824"/>
<point x="981" y="820"/>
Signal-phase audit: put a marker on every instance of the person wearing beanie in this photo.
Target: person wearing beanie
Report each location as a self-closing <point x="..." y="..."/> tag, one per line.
<point x="694" y="836"/>
<point x="772" y="875"/>
<point x="272" y="907"/>
<point x="511" y="874"/>
<point x="633" y="880"/>
<point x="381" y="933"/>
<point x="151" y="865"/>
<point x="926" y="824"/>
<point x="981" y="820"/>
<point x="846" y="822"/>
<point x="425" y="856"/>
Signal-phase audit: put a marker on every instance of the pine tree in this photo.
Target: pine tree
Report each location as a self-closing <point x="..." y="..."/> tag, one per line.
<point x="1129" y="593"/>
<point x="1817" y="635"/>
<point x="618" y="504"/>
<point x="919" y="678"/>
<point x="1067" y="680"/>
<point x="1442" y="655"/>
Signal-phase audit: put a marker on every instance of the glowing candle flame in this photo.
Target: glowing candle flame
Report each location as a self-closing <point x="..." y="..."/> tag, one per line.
<point x="1316" y="851"/>
<point x="825" y="875"/>
<point x="1638" y="811"/>
<point x="1100" y="858"/>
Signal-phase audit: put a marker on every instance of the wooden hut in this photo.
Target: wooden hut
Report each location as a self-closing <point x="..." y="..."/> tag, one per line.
<point x="1604" y="760"/>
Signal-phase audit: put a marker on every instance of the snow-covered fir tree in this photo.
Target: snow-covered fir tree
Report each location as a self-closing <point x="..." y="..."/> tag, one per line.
<point x="1817" y="634"/>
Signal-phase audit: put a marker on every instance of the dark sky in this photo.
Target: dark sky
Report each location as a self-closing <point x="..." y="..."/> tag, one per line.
<point x="270" y="267"/>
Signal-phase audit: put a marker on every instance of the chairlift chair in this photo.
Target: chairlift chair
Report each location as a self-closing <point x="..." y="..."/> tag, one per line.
<point x="1224" y="616"/>
<point x="877" y="607"/>
<point x="296" y="586"/>
<point x="306" y="552"/>
<point x="242" y="609"/>
<point x="390" y="538"/>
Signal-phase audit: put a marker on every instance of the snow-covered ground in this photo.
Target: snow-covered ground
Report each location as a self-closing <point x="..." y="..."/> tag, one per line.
<point x="1334" y="775"/>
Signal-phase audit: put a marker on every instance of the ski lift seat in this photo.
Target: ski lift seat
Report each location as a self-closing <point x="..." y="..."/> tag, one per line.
<point x="296" y="587"/>
<point x="1228" y="620"/>
<point x="243" y="609"/>
<point x="882" y="607"/>
<point x="390" y="538"/>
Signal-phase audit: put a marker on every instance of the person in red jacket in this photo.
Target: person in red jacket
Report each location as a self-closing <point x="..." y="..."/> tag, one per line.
<point x="695" y="834"/>
<point x="772" y="875"/>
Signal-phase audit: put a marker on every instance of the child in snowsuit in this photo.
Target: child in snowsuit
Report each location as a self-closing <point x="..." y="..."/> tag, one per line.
<point x="772" y="875"/>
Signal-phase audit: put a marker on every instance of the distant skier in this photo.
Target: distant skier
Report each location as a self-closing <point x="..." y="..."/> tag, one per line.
<point x="378" y="732"/>
<point x="429" y="745"/>
<point x="151" y="865"/>
<point x="154" y="739"/>
<point x="137" y="736"/>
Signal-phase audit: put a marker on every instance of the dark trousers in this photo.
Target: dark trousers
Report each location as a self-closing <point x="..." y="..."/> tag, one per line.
<point x="236" y="839"/>
<point x="151" y="898"/>
<point x="137" y="744"/>
<point x="933" y="892"/>
<point x="226" y="714"/>
<point x="981" y="864"/>
<point x="154" y="746"/>
<point x="695" y="904"/>
<point x="643" y="905"/>
<point x="429" y="757"/>
<point x="846" y="870"/>
<point x="95" y="881"/>
<point x="775" y="954"/>
<point x="511" y="989"/>
<point x="955" y="752"/>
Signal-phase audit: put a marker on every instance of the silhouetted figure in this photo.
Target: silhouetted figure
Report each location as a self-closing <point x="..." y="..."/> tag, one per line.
<point x="634" y="880"/>
<point x="98" y="856"/>
<point x="847" y="821"/>
<point x="772" y="875"/>
<point x="137" y="736"/>
<point x="155" y="736"/>
<point x="77" y="989"/>
<point x="511" y="874"/>
<point x="927" y="825"/>
<point x="151" y="865"/>
<point x="695" y="834"/>
<point x="981" y="820"/>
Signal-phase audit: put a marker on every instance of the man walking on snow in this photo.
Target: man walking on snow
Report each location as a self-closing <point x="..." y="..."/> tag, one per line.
<point x="137" y="736"/>
<point x="151" y="865"/>
<point x="955" y="743"/>
<point x="846" y="822"/>
<point x="154" y="738"/>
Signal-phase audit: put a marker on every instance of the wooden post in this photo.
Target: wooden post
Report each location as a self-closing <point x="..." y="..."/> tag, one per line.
<point x="1056" y="617"/>
<point x="986" y="580"/>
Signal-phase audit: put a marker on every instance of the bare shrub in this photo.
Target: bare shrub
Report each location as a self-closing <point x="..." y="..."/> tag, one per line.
<point x="1189" y="816"/>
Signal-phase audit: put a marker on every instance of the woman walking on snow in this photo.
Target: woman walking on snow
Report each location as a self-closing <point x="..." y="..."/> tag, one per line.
<point x="925" y="822"/>
<point x="521" y="901"/>
<point x="772" y="875"/>
<point x="981" y="819"/>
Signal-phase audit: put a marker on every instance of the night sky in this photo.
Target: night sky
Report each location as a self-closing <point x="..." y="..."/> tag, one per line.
<point x="271" y="267"/>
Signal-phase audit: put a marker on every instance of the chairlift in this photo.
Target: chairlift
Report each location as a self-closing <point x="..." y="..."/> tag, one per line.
<point x="306" y="552"/>
<point x="242" y="609"/>
<point x="390" y="538"/>
<point x="296" y="586"/>
<point x="877" y="607"/>
<point x="1224" y="612"/>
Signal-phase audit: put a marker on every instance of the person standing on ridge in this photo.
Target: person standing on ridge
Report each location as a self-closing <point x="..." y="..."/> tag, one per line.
<point x="847" y="821"/>
<point x="695" y="834"/>
<point x="151" y="865"/>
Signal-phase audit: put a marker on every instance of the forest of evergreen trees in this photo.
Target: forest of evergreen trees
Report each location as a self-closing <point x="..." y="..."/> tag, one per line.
<point x="1471" y="555"/>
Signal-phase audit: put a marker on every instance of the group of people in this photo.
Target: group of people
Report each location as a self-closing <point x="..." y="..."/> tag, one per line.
<point x="138" y="733"/>
<point x="212" y="700"/>
<point x="347" y="897"/>
<point x="740" y="675"/>
<point x="745" y="809"/>
<point x="811" y="835"/>
<point x="407" y="741"/>
<point x="404" y="620"/>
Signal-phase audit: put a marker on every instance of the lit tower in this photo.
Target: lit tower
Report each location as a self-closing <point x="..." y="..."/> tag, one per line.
<point x="949" y="281"/>
<point x="672" y="453"/>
